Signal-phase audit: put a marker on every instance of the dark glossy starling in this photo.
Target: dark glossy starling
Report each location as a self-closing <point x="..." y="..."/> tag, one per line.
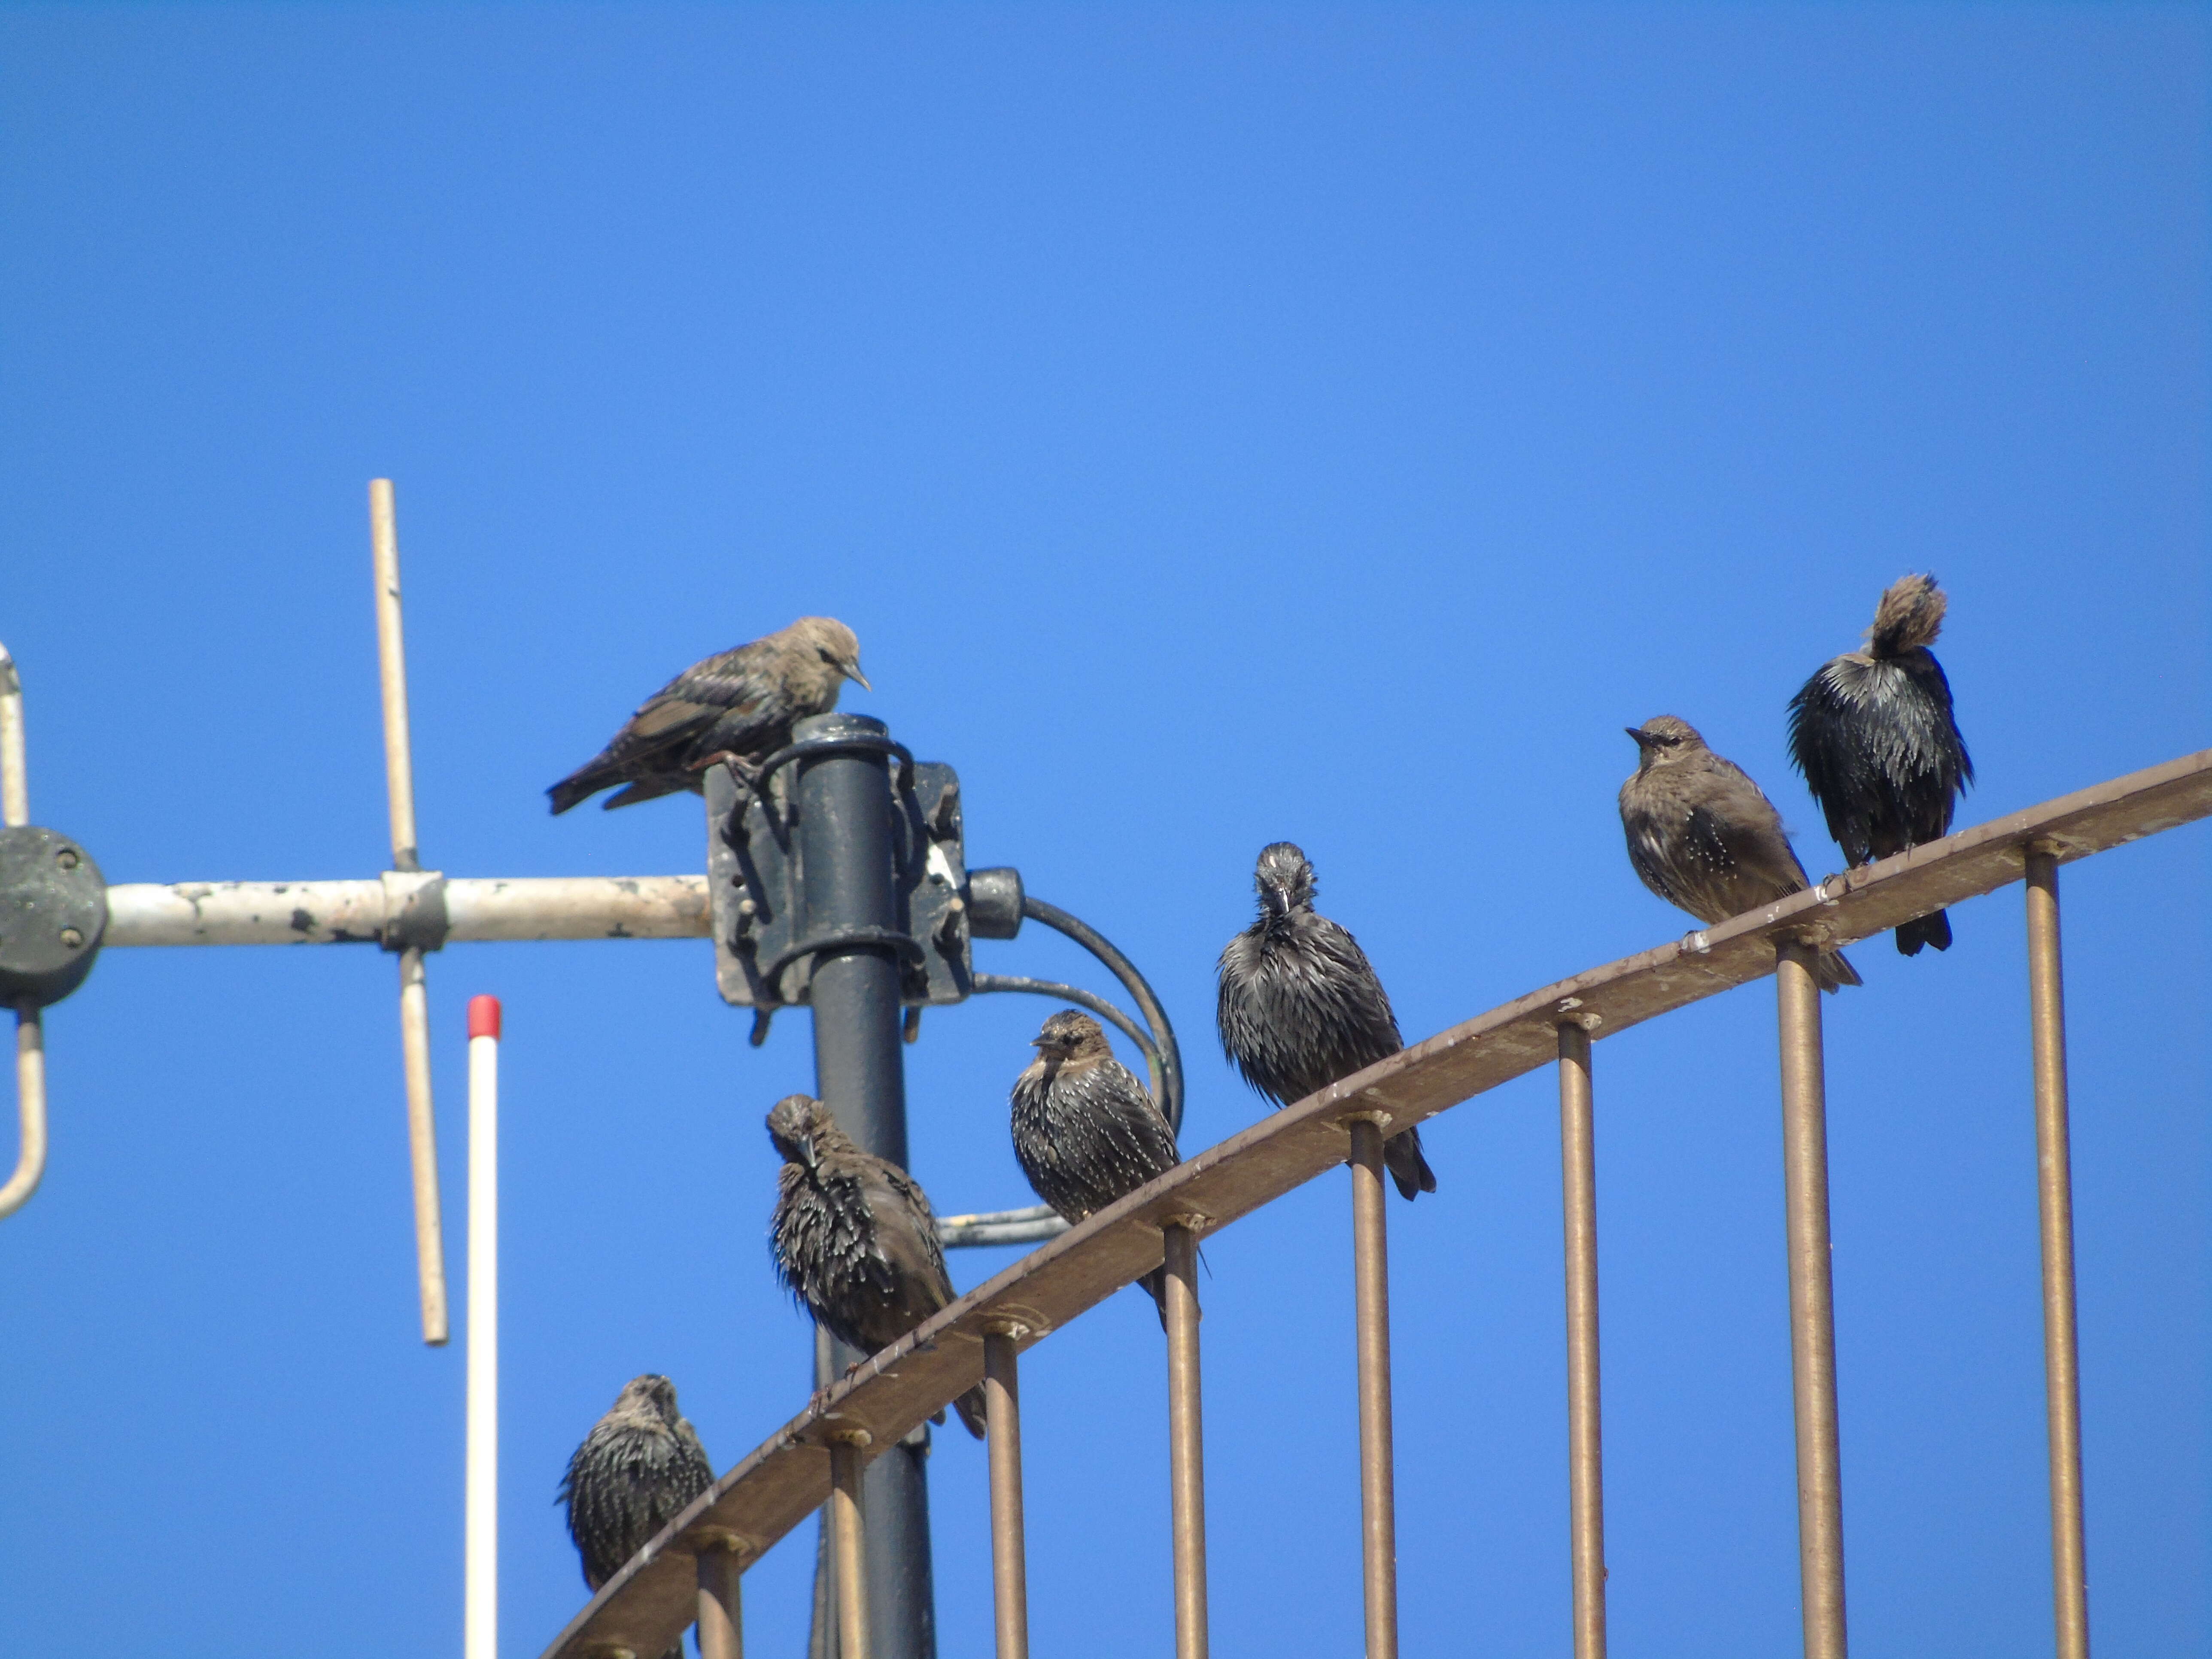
<point x="637" y="1470"/>
<point x="736" y="707"/>
<point x="1300" y="1006"/>
<point x="1085" y="1130"/>
<point x="1873" y="734"/>
<point x="1702" y="835"/>
<point x="854" y="1239"/>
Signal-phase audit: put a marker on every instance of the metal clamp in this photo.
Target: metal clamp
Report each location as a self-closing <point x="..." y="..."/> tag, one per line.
<point x="844" y="937"/>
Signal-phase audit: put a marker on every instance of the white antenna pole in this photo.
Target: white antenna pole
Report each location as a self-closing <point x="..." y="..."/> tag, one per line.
<point x="480" y="1619"/>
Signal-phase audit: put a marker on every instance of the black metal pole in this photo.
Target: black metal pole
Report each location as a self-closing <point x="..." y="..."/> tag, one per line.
<point x="847" y="883"/>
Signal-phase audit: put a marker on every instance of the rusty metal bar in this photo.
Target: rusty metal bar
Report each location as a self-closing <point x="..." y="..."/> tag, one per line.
<point x="1812" y="1304"/>
<point x="2054" y="1162"/>
<point x="1585" y="1441"/>
<point x="414" y="994"/>
<point x="30" y="1112"/>
<point x="1370" y="1272"/>
<point x="783" y="1479"/>
<point x="1002" y="1407"/>
<point x="489" y="909"/>
<point x="1186" y="1437"/>
<point x="30" y="1031"/>
<point x="722" y="1617"/>
<point x="849" y="1569"/>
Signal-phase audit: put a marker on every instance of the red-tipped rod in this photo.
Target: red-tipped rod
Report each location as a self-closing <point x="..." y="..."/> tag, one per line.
<point x="480" y="1617"/>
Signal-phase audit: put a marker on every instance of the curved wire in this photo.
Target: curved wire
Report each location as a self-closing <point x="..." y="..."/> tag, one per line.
<point x="1170" y="1085"/>
<point x="987" y="983"/>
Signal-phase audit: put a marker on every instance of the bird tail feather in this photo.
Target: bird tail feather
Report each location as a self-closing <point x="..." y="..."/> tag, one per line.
<point x="1408" y="1164"/>
<point x="970" y="1407"/>
<point x="1932" y="929"/>
<point x="1156" y="1286"/>
<point x="1832" y="970"/>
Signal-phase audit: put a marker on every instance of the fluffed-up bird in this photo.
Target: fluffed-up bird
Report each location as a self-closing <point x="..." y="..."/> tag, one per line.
<point x="1085" y="1131"/>
<point x="1702" y="835"/>
<point x="1300" y="1006"/>
<point x="854" y="1239"/>
<point x="637" y="1470"/>
<point x="737" y="706"/>
<point x="1873" y="734"/>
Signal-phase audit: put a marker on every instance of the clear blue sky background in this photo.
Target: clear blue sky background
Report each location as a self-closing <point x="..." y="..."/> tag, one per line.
<point x="1219" y="424"/>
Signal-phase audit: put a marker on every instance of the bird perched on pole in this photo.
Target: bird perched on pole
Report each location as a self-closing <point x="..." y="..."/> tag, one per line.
<point x="1300" y="1006"/>
<point x="1702" y="836"/>
<point x="852" y="1238"/>
<point x="736" y="707"/>
<point x="1085" y="1131"/>
<point x="637" y="1470"/>
<point x="1874" y="735"/>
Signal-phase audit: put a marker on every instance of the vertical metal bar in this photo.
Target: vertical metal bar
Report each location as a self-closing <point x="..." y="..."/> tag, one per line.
<point x="1185" y="1440"/>
<point x="1002" y="1405"/>
<point x="1585" y="1441"/>
<point x="414" y="998"/>
<point x="848" y="881"/>
<point x="30" y="1111"/>
<point x="480" y="1617"/>
<point x="422" y="1144"/>
<point x="1812" y="1304"/>
<point x="1378" y="1518"/>
<point x="845" y="1535"/>
<point x="2054" y="1160"/>
<point x="721" y="1615"/>
<point x="30" y="1033"/>
<point x="391" y="672"/>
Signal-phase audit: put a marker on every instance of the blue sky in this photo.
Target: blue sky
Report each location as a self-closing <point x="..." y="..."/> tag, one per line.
<point x="1219" y="424"/>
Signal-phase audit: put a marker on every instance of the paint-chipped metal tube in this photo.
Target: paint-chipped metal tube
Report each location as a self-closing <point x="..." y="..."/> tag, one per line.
<point x="1378" y="1508"/>
<point x="2062" y="1356"/>
<point x="1186" y="1438"/>
<point x="845" y="1544"/>
<point x="30" y="1112"/>
<point x="478" y="910"/>
<point x="1585" y="1438"/>
<point x="1812" y="1304"/>
<point x="1002" y="1399"/>
<point x="30" y="1035"/>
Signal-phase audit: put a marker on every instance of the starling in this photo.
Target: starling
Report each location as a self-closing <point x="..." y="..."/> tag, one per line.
<point x="852" y="1238"/>
<point x="1702" y="837"/>
<point x="1873" y="734"/>
<point x="637" y="1470"/>
<point x="1300" y="1007"/>
<point x="736" y="707"/>
<point x="1085" y="1130"/>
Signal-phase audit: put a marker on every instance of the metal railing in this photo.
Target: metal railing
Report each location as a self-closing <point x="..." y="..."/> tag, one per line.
<point x="691" y="1571"/>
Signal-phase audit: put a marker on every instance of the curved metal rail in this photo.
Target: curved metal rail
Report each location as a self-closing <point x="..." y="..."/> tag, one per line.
<point x="645" y="1607"/>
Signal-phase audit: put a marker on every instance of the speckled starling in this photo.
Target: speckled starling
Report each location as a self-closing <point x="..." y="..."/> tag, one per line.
<point x="852" y="1238"/>
<point x="1300" y="1006"/>
<point x="1873" y="734"/>
<point x="1702" y="835"/>
<point x="637" y="1470"/>
<point x="1085" y="1131"/>
<point x="736" y="707"/>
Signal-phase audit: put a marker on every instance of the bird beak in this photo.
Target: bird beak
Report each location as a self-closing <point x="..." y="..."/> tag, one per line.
<point x="1276" y="898"/>
<point x="807" y="1154"/>
<point x="853" y="673"/>
<point x="1634" y="733"/>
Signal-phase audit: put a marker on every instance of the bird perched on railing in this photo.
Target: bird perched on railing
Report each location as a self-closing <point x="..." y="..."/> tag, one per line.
<point x="736" y="707"/>
<point x="1300" y="1006"/>
<point x="1874" y="735"/>
<point x="854" y="1239"/>
<point x="637" y="1470"/>
<point x="1085" y="1131"/>
<point x="1702" y="835"/>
